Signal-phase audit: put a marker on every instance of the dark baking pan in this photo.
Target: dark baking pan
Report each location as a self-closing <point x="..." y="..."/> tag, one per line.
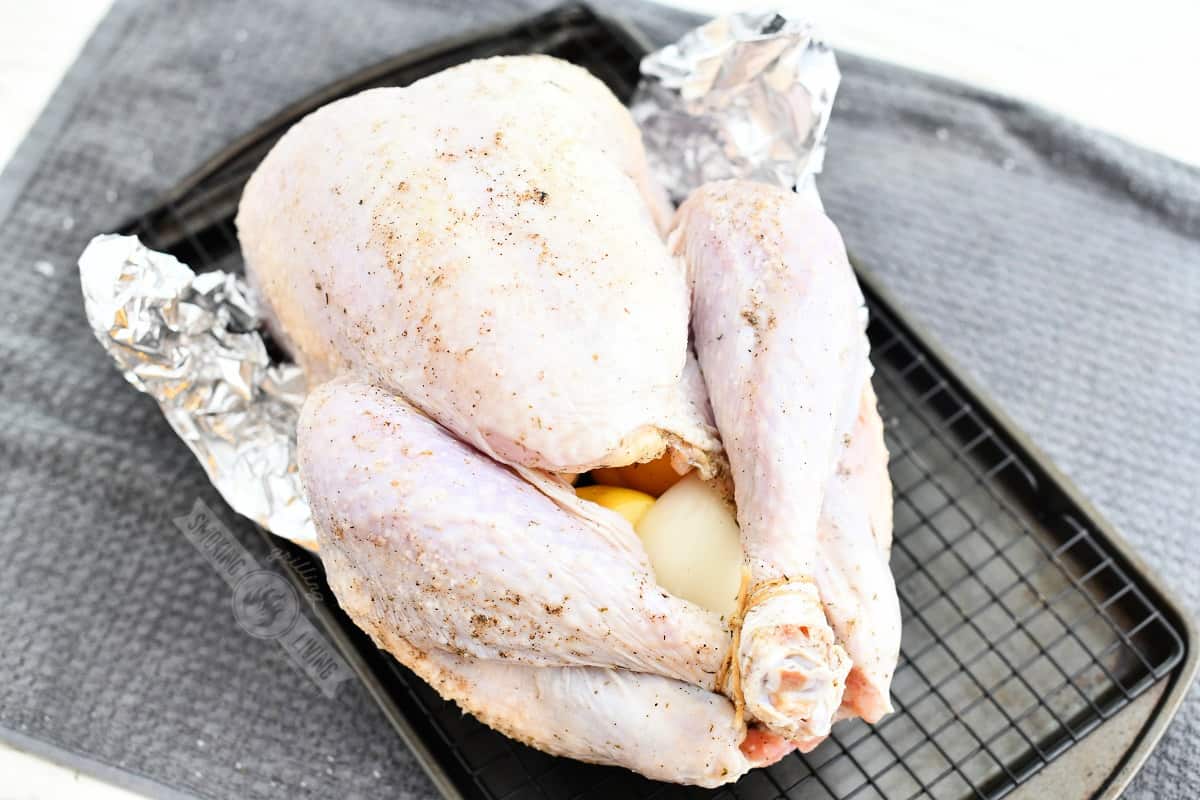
<point x="1028" y="623"/>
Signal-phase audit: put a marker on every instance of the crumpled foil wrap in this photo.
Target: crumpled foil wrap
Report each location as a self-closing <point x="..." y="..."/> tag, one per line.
<point x="191" y="342"/>
<point x="744" y="96"/>
<point x="747" y="96"/>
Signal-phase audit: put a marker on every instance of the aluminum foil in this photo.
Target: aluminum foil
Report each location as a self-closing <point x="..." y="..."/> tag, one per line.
<point x="191" y="342"/>
<point x="744" y="96"/>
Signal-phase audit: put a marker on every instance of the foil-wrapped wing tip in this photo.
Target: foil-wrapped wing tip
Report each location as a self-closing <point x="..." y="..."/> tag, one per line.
<point x="191" y="342"/>
<point x="747" y="95"/>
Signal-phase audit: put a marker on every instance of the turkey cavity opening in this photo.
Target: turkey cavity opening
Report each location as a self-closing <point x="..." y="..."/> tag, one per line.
<point x="687" y="525"/>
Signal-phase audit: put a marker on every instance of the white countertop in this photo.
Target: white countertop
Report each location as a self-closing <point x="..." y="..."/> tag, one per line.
<point x="1123" y="68"/>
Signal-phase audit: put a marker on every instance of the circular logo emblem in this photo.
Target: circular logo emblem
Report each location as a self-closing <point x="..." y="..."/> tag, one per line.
<point x="265" y="605"/>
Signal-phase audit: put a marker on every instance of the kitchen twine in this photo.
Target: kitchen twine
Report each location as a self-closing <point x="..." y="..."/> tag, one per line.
<point x="731" y="668"/>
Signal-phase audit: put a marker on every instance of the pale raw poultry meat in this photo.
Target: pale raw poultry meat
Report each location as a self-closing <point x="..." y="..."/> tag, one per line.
<point x="412" y="262"/>
<point x="489" y="294"/>
<point x="778" y="315"/>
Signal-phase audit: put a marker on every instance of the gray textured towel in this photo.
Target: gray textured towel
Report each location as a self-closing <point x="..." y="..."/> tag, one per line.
<point x="1059" y="266"/>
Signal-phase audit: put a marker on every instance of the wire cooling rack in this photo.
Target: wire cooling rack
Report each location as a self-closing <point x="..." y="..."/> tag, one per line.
<point x="1026" y="622"/>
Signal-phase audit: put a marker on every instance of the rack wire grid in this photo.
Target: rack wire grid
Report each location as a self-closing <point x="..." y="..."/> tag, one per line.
<point x="1024" y="626"/>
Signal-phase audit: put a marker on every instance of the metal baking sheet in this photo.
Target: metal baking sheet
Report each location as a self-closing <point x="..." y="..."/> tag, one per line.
<point x="1028" y="624"/>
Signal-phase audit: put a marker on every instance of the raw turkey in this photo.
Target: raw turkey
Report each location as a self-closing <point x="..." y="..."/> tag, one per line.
<point x="490" y="296"/>
<point x="424" y="236"/>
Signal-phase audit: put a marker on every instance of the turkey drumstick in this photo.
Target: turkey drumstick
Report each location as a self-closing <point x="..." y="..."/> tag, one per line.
<point x="457" y="552"/>
<point x="778" y="324"/>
